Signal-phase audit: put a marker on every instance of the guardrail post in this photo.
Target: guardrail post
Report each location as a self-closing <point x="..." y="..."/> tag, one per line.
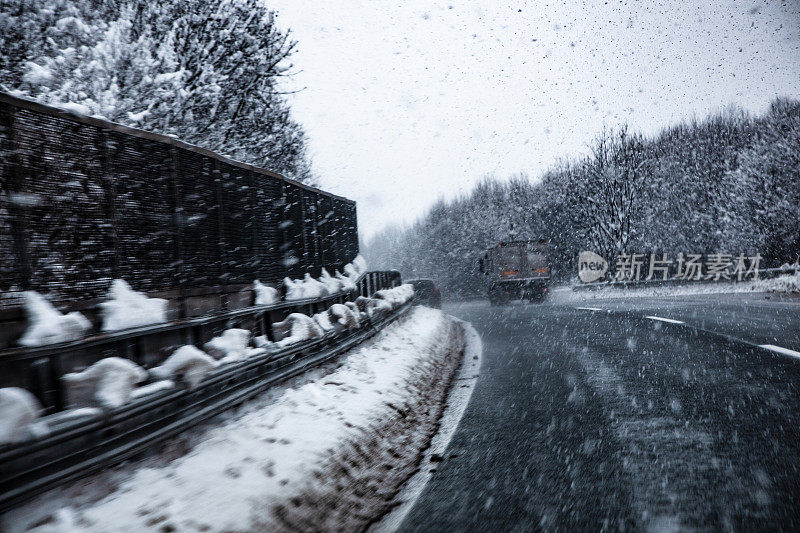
<point x="38" y="378"/>
<point x="268" y="331"/>
<point x="56" y="388"/>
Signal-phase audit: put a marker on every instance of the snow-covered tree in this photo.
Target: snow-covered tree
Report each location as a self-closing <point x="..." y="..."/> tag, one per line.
<point x="730" y="183"/>
<point x="764" y="209"/>
<point x="207" y="72"/>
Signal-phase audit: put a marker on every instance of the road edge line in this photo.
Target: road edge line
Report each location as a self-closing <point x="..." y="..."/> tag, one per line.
<point x="456" y="404"/>
<point x="780" y="349"/>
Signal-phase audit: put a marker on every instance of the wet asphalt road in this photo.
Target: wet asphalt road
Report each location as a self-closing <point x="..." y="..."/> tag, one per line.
<point x="586" y="419"/>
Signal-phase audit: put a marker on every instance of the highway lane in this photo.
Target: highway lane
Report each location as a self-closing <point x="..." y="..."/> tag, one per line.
<point x="588" y="419"/>
<point x="757" y="318"/>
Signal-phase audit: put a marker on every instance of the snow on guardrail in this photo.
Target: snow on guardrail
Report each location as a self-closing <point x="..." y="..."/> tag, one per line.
<point x="247" y="468"/>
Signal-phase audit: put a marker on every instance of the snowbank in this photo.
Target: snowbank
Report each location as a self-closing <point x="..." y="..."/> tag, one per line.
<point x="107" y="383"/>
<point x="360" y="264"/>
<point x="323" y="320"/>
<point x="265" y="295"/>
<point x="338" y="318"/>
<point x="354" y="308"/>
<point x="345" y="316"/>
<point x="356" y="268"/>
<point x="188" y="363"/>
<point x="127" y="308"/>
<point x="313" y="287"/>
<point x="396" y="296"/>
<point x="352" y="271"/>
<point x="231" y="345"/>
<point x="164" y="384"/>
<point x="332" y="285"/>
<point x="297" y="327"/>
<point x="263" y="342"/>
<point x="18" y="408"/>
<point x="246" y="470"/>
<point x="372" y="306"/>
<point x="47" y="325"/>
<point x="307" y="287"/>
<point x="295" y="290"/>
<point x="787" y="283"/>
<point x="347" y="283"/>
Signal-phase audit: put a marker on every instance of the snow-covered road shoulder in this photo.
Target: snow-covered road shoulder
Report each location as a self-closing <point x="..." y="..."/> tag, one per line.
<point x="327" y="451"/>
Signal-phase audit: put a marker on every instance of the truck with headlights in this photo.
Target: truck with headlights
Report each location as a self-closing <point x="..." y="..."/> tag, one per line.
<point x="516" y="270"/>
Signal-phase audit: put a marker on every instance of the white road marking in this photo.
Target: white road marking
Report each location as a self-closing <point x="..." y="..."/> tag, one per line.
<point x="457" y="400"/>
<point x="781" y="350"/>
<point x="589" y="308"/>
<point x="662" y="319"/>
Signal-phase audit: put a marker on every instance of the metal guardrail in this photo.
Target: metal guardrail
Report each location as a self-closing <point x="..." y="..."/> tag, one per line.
<point x="78" y="446"/>
<point x="38" y="369"/>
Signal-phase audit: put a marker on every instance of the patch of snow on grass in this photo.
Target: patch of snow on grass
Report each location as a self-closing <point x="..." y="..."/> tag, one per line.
<point x="789" y="283"/>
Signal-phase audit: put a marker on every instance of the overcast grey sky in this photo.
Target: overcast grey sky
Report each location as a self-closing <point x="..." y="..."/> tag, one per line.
<point x="405" y="102"/>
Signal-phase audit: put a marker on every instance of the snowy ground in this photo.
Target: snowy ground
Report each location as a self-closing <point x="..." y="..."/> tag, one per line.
<point x="353" y="428"/>
<point x="787" y="283"/>
<point x="459" y="396"/>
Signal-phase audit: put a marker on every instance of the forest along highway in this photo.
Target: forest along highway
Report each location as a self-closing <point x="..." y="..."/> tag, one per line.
<point x="618" y="413"/>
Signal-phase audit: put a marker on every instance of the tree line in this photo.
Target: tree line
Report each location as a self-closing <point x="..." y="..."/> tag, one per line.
<point x="728" y="183"/>
<point x="205" y="71"/>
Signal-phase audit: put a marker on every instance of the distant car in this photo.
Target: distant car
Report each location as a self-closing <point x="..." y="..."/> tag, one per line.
<point x="426" y="292"/>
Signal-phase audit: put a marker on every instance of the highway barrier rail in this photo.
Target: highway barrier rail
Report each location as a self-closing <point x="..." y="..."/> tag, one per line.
<point x="82" y="441"/>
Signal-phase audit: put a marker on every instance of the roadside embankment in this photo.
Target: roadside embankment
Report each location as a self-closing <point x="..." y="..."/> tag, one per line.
<point x="327" y="450"/>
